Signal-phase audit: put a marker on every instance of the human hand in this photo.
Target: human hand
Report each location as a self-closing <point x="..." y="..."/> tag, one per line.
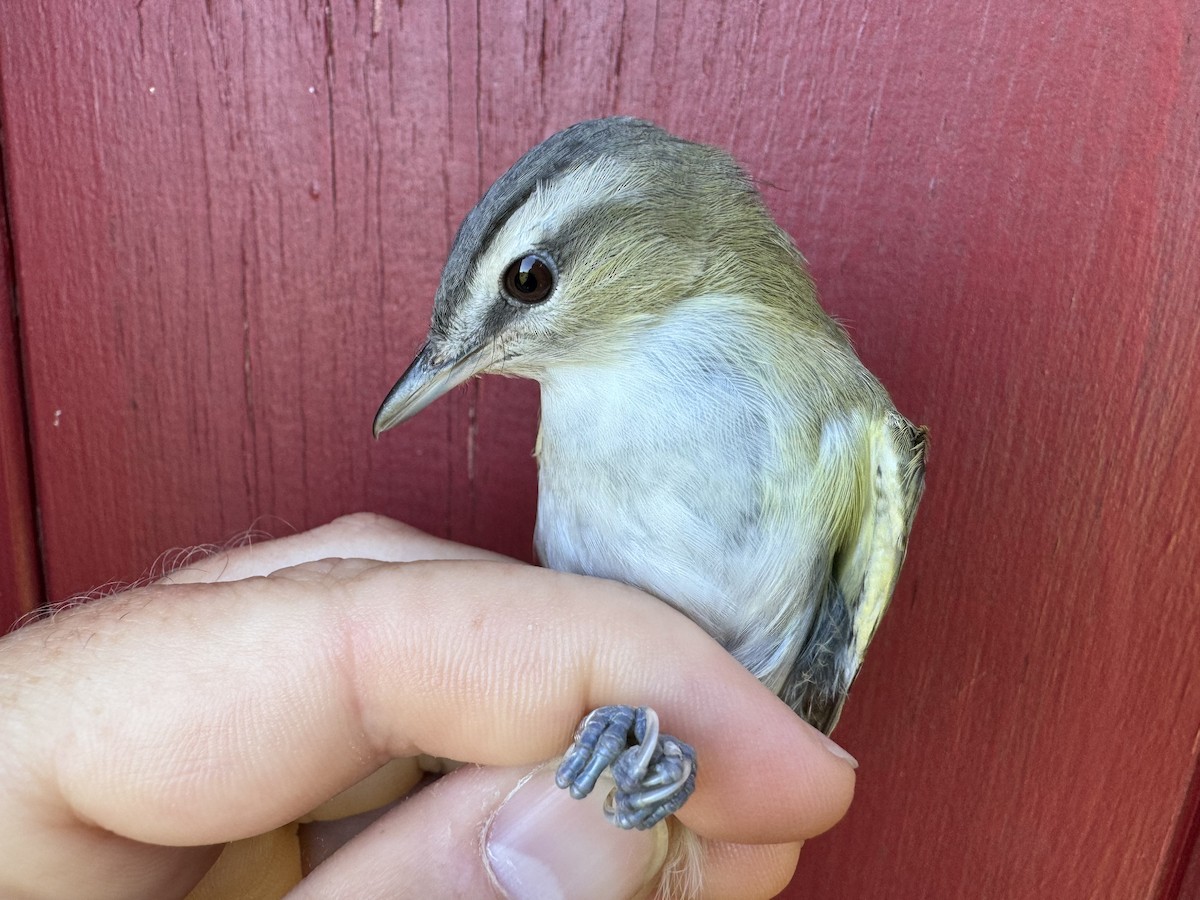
<point x="143" y="731"/>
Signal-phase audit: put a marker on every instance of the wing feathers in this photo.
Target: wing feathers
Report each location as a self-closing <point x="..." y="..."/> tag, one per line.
<point x="865" y="570"/>
<point x="898" y="453"/>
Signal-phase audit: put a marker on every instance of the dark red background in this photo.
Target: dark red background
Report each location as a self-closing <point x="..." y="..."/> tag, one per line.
<point x="227" y="222"/>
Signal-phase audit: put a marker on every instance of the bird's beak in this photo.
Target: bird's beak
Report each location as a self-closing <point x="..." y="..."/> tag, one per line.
<point x="429" y="376"/>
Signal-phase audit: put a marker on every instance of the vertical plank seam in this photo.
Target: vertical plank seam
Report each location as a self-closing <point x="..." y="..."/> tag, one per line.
<point x="1183" y="843"/>
<point x="475" y="393"/>
<point x="8" y="246"/>
<point x="449" y="503"/>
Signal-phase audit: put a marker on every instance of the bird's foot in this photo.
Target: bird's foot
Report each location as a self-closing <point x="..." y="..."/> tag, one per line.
<point x="654" y="773"/>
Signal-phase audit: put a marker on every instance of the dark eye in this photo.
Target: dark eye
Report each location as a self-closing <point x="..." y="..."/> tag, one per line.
<point x="529" y="279"/>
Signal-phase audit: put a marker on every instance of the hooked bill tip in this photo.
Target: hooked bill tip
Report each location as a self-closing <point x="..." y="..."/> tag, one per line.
<point x="430" y="375"/>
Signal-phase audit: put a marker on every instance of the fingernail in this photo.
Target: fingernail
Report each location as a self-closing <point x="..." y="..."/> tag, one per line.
<point x="542" y="843"/>
<point x="837" y="749"/>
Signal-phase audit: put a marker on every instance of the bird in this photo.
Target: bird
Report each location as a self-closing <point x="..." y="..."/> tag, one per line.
<point x="708" y="433"/>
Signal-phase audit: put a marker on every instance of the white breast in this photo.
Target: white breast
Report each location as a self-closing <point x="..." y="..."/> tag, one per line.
<point x="672" y="467"/>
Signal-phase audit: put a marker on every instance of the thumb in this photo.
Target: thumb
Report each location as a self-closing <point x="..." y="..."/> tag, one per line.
<point x="493" y="832"/>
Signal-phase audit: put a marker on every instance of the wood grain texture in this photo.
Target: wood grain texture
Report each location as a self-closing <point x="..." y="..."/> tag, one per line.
<point x="229" y="223"/>
<point x="20" y="574"/>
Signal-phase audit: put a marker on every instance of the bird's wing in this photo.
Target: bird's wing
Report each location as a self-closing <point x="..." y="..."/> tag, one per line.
<point x="874" y="555"/>
<point x="865" y="569"/>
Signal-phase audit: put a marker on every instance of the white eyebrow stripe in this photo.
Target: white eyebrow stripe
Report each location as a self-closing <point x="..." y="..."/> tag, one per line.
<point x="551" y="204"/>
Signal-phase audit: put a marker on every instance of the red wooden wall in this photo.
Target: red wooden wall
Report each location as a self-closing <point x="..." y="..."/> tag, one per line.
<point x="20" y="585"/>
<point x="228" y="221"/>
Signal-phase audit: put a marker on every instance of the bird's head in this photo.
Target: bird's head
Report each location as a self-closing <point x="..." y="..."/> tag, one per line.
<point x="600" y="228"/>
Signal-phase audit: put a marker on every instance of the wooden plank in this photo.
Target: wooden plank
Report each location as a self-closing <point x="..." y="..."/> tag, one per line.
<point x="1066" y="579"/>
<point x="1042" y="646"/>
<point x="229" y="225"/>
<point x="20" y="573"/>
<point x="256" y="208"/>
<point x="1179" y="878"/>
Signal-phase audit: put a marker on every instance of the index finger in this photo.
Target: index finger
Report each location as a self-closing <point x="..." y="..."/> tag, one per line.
<point x="289" y="688"/>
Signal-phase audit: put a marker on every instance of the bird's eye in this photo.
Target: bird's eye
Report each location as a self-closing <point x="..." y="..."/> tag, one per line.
<point x="529" y="279"/>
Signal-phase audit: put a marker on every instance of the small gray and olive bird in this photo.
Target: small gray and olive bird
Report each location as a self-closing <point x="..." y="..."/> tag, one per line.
<point x="707" y="432"/>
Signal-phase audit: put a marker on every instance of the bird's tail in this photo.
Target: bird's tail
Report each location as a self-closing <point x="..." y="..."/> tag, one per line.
<point x="821" y="675"/>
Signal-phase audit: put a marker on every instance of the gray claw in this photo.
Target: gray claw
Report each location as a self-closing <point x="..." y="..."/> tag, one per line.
<point x="654" y="773"/>
<point x="600" y="739"/>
